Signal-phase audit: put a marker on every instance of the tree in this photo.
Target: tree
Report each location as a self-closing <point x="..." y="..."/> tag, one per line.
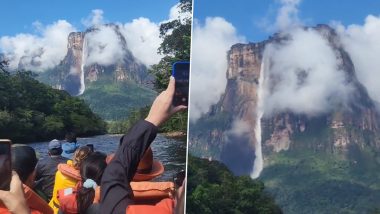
<point x="175" y="46"/>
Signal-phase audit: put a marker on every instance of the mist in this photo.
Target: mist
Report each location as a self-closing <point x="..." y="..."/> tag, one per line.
<point x="210" y="43"/>
<point x="103" y="46"/>
<point x="362" y="42"/>
<point x="304" y="75"/>
<point x="40" y="51"/>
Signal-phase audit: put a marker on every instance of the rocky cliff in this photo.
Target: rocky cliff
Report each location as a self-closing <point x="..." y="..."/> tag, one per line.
<point x="355" y="125"/>
<point x="74" y="71"/>
<point x="319" y="163"/>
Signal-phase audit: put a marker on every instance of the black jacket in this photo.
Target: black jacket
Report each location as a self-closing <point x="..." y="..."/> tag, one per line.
<point x="45" y="174"/>
<point x="116" y="192"/>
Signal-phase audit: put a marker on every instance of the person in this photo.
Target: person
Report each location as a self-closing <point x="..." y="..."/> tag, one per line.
<point x="24" y="161"/>
<point x="116" y="191"/>
<point x="70" y="146"/>
<point x="80" y="198"/>
<point x="68" y="174"/>
<point x="47" y="167"/>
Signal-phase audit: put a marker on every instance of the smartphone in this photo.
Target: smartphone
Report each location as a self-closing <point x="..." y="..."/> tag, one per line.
<point x="181" y="71"/>
<point x="5" y="164"/>
<point x="178" y="179"/>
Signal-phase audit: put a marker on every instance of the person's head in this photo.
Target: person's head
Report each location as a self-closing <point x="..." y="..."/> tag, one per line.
<point x="55" y="148"/>
<point x="91" y="146"/>
<point x="24" y="161"/>
<point x="80" y="155"/>
<point x="71" y="137"/>
<point x="91" y="172"/>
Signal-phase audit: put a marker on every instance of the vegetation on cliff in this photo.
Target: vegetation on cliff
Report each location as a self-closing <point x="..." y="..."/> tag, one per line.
<point x="31" y="111"/>
<point x="116" y="101"/>
<point x="211" y="188"/>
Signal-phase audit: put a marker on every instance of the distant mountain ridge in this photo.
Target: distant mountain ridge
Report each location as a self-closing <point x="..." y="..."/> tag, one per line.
<point x="74" y="72"/>
<point x="111" y="90"/>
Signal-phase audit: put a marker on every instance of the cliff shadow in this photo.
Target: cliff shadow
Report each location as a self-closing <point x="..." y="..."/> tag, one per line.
<point x="72" y="84"/>
<point x="238" y="154"/>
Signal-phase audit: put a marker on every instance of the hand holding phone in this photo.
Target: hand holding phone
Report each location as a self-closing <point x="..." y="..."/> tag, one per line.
<point x="5" y="164"/>
<point x="181" y="71"/>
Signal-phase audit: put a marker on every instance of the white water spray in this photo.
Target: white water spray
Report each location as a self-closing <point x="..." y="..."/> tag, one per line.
<point x="84" y="54"/>
<point x="259" y="162"/>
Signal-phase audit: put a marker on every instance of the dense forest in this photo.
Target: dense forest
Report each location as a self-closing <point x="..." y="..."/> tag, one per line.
<point x="31" y="111"/>
<point x="212" y="188"/>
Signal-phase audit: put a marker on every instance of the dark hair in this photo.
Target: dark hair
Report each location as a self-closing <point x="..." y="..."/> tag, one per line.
<point x="71" y="137"/>
<point x="24" y="160"/>
<point x="92" y="168"/>
<point x="55" y="151"/>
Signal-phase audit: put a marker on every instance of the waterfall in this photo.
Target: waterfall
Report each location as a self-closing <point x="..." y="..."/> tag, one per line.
<point x="258" y="163"/>
<point x="84" y="54"/>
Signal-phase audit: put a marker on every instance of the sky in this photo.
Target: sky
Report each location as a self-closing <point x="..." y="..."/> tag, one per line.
<point x="248" y="16"/>
<point x="33" y="36"/>
<point x="18" y="16"/>
<point x="220" y="24"/>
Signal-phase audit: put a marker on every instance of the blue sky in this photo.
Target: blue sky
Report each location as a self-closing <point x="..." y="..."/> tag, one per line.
<point x="246" y="15"/>
<point x="17" y="16"/>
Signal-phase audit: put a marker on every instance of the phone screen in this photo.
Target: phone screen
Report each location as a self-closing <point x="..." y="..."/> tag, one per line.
<point x="5" y="164"/>
<point x="178" y="179"/>
<point x="181" y="72"/>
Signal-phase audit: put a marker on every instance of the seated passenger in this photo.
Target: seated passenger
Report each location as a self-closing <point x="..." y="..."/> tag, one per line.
<point x="116" y="191"/>
<point x="79" y="199"/>
<point x="70" y="146"/>
<point x="24" y="161"/>
<point x="47" y="167"/>
<point x="68" y="174"/>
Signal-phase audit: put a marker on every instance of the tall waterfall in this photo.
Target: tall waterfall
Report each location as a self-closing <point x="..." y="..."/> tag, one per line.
<point x="84" y="54"/>
<point x="258" y="163"/>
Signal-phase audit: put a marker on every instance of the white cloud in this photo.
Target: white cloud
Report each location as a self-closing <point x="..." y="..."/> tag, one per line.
<point x="104" y="46"/>
<point x="46" y="49"/>
<point x="285" y="19"/>
<point x="363" y="45"/>
<point x="37" y="52"/>
<point x="210" y="43"/>
<point x="94" y="19"/>
<point x="143" y="39"/>
<point x="239" y="128"/>
<point x="303" y="75"/>
<point x="175" y="13"/>
<point x="287" y="16"/>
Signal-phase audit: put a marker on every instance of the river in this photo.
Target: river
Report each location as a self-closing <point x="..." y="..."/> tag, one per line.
<point x="171" y="152"/>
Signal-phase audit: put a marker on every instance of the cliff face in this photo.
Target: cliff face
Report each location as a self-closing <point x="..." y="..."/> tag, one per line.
<point x="353" y="126"/>
<point x="73" y="72"/>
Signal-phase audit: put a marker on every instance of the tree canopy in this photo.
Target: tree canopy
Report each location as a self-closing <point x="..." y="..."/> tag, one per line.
<point x="212" y="188"/>
<point x="31" y="111"/>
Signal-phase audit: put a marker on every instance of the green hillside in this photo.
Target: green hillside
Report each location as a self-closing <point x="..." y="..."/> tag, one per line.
<point x="32" y="111"/>
<point x="116" y="100"/>
<point x="212" y="188"/>
<point x="313" y="182"/>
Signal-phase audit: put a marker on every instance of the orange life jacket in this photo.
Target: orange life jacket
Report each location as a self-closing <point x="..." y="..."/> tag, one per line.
<point x="165" y="206"/>
<point x="144" y="193"/>
<point x="4" y="210"/>
<point x="35" y="203"/>
<point x="68" y="199"/>
<point x="65" y="177"/>
<point x="147" y="190"/>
